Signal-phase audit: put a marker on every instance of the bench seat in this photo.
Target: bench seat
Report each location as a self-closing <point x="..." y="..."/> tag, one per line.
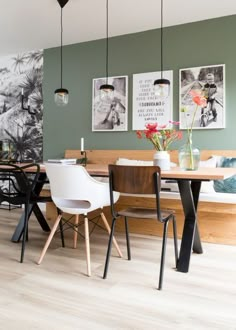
<point x="216" y="211"/>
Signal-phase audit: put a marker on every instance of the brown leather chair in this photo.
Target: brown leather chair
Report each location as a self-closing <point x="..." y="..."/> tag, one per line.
<point x="141" y="180"/>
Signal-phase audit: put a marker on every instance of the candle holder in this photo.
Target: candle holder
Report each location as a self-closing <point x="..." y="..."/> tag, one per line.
<point x="23" y="99"/>
<point x="83" y="160"/>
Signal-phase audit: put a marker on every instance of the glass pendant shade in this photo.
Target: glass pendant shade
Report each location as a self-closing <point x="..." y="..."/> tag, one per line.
<point x="162" y="88"/>
<point x="106" y="92"/>
<point x="61" y="96"/>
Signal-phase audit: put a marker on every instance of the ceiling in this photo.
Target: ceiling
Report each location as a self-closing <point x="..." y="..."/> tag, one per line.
<point x="35" y="24"/>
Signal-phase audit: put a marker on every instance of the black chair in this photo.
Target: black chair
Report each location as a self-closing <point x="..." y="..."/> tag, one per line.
<point x="143" y="180"/>
<point x="23" y="180"/>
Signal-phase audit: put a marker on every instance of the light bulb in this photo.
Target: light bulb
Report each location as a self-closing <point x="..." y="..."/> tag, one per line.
<point x="61" y="97"/>
<point x="162" y="88"/>
<point x="106" y="92"/>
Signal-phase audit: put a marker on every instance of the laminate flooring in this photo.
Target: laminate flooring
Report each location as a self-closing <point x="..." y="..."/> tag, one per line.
<point x="58" y="295"/>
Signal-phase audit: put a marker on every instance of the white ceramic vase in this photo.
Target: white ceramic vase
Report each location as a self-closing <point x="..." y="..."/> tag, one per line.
<point x="162" y="159"/>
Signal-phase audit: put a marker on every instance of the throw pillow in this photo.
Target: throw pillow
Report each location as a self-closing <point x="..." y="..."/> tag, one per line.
<point x="228" y="185"/>
<point x="206" y="186"/>
<point x="126" y="161"/>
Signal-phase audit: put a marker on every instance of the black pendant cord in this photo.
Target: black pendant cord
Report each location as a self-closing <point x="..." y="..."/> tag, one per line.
<point x="107" y="50"/>
<point x="61" y="48"/>
<point x="161" y="82"/>
<point x="107" y="87"/>
<point x="161" y="39"/>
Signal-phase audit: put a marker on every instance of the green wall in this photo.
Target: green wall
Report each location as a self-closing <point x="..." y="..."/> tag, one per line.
<point x="190" y="45"/>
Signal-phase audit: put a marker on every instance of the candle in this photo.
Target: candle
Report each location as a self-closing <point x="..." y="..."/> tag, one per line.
<point x="22" y="91"/>
<point x="28" y="102"/>
<point x="82" y="144"/>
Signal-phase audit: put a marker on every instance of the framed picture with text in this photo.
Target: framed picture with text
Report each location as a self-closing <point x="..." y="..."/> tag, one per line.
<point x="209" y="83"/>
<point x="110" y="115"/>
<point x="147" y="107"/>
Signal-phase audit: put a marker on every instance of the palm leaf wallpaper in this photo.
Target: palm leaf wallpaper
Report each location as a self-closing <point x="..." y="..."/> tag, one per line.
<point x="24" y="131"/>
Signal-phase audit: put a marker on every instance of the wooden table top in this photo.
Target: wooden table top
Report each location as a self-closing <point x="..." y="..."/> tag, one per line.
<point x="204" y="173"/>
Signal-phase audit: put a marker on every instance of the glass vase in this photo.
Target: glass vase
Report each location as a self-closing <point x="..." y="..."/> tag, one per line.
<point x="162" y="159"/>
<point x="189" y="156"/>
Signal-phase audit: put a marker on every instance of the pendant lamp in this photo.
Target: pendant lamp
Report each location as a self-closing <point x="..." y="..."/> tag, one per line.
<point x="61" y="95"/>
<point x="162" y="85"/>
<point x="107" y="90"/>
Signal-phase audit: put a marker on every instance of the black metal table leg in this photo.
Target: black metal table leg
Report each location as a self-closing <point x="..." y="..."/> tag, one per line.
<point x="197" y="246"/>
<point x="19" y="228"/>
<point x="40" y="217"/>
<point x="32" y="208"/>
<point x="190" y="237"/>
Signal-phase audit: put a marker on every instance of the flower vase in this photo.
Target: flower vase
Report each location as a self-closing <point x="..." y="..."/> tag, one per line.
<point x="162" y="159"/>
<point x="189" y="156"/>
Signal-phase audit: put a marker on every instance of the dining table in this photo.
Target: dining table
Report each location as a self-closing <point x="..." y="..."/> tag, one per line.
<point x="189" y="183"/>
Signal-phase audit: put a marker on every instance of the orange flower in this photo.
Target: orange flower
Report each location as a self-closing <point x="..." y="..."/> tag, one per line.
<point x="200" y="101"/>
<point x="198" y="98"/>
<point x="139" y="134"/>
<point x="180" y="135"/>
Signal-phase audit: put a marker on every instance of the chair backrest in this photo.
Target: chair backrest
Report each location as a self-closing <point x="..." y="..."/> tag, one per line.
<point x="138" y="180"/>
<point x="135" y="179"/>
<point x="17" y="183"/>
<point x="73" y="183"/>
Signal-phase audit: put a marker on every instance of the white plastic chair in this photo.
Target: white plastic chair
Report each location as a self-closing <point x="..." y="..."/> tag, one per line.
<point x="75" y="192"/>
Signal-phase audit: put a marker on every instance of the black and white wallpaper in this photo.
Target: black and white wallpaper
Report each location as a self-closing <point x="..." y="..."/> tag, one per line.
<point x="22" y="130"/>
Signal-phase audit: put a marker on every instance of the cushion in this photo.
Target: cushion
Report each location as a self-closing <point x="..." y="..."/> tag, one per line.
<point x="228" y="185"/>
<point x="126" y="161"/>
<point x="206" y="186"/>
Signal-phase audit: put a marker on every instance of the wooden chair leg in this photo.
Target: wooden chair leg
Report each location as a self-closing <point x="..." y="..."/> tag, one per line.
<point x="54" y="228"/>
<point x="76" y="231"/>
<point x="106" y="224"/>
<point x="87" y="245"/>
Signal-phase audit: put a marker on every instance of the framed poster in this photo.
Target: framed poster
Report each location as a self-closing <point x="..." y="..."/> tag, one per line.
<point x="110" y="115"/>
<point x="209" y="82"/>
<point x="147" y="107"/>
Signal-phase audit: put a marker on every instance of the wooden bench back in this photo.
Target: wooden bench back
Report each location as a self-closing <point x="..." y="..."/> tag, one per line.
<point x="110" y="156"/>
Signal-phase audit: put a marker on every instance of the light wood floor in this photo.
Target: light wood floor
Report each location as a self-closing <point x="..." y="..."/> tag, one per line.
<point x="58" y="295"/>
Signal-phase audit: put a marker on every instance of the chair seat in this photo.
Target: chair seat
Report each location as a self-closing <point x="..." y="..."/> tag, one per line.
<point x="147" y="213"/>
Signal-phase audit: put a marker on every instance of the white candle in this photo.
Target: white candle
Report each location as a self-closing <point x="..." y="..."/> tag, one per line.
<point x="28" y="102"/>
<point x="22" y="91"/>
<point x="82" y="144"/>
